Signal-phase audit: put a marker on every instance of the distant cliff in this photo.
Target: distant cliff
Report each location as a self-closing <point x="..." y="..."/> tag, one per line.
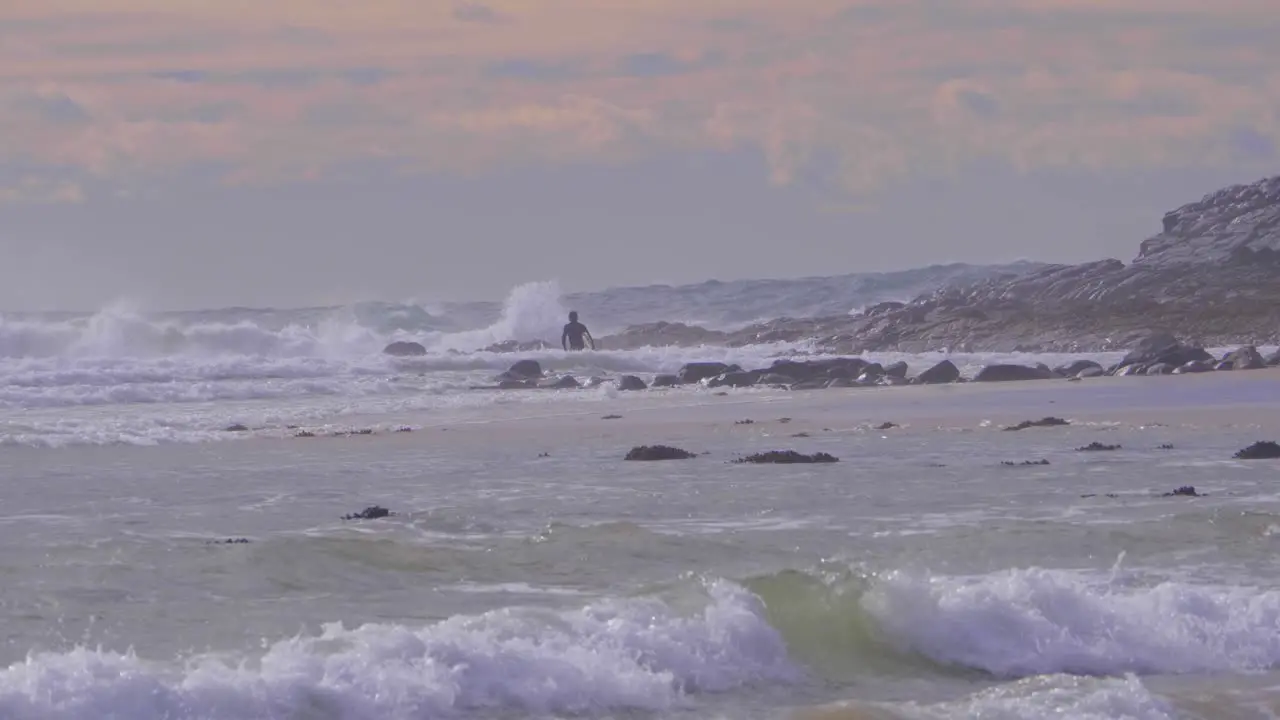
<point x="1212" y="276"/>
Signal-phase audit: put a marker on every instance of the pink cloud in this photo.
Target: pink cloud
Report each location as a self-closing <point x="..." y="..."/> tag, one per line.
<point x="880" y="90"/>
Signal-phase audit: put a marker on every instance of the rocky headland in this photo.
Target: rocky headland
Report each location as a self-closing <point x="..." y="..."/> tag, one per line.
<point x="1212" y="276"/>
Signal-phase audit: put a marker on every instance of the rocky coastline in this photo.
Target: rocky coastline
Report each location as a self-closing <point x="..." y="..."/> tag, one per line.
<point x="1156" y="354"/>
<point x="1210" y="276"/>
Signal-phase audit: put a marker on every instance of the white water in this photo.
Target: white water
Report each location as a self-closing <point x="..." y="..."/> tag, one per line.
<point x="124" y="376"/>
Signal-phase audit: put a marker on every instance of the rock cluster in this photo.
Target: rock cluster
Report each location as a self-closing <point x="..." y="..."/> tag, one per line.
<point x="1156" y="354"/>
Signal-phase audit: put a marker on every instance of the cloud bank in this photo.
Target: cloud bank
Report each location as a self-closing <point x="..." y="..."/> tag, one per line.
<point x="861" y="94"/>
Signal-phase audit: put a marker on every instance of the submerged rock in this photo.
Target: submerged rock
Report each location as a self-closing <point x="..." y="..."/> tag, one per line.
<point x="1042" y="422"/>
<point x="631" y="382"/>
<point x="1262" y="450"/>
<point x="1187" y="490"/>
<point x="527" y="369"/>
<point x="236" y="428"/>
<point x="1024" y="462"/>
<point x="698" y="371"/>
<point x="787" y="457"/>
<point x="402" y="348"/>
<point x="1096" y="446"/>
<point x="658" y="452"/>
<point x="373" y="512"/>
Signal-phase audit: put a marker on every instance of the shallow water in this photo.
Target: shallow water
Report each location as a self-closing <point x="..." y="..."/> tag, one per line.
<point x="919" y="577"/>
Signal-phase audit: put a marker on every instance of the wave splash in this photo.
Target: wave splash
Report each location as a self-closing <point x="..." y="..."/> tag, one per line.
<point x="636" y="654"/>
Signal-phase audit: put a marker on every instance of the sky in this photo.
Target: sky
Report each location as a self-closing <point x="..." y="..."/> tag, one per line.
<point x="202" y="153"/>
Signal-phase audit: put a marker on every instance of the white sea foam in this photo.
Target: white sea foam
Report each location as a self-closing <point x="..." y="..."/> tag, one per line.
<point x="1054" y="696"/>
<point x="332" y="358"/>
<point x="1021" y="623"/>
<point x="614" y="655"/>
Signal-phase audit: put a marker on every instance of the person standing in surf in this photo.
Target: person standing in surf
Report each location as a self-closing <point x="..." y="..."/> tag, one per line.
<point x="574" y="332"/>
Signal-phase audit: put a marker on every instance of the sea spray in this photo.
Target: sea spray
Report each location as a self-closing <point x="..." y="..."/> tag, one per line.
<point x="614" y="655"/>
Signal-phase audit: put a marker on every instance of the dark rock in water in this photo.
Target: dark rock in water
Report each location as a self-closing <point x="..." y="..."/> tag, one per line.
<point x="944" y="372"/>
<point x="699" y="371"/>
<point x="1263" y="450"/>
<point x="1160" y="368"/>
<point x="610" y="417"/>
<point x="658" y="452"/>
<point x="1024" y="462"/>
<point x="631" y="382"/>
<point x="1224" y="365"/>
<point x="305" y="434"/>
<point x="1187" y="490"/>
<point x="1195" y="366"/>
<point x="1274" y="359"/>
<point x="872" y="370"/>
<point x="734" y="379"/>
<point x="886" y="425"/>
<point x="787" y="457"/>
<point x="666" y="380"/>
<point x="373" y="512"/>
<point x="563" y="382"/>
<point x="402" y="348"/>
<point x="1163" y="348"/>
<point x="236" y="428"/>
<point x="1090" y="372"/>
<point x="528" y="369"/>
<point x="1165" y="446"/>
<point x="897" y="370"/>
<point x="593" y="381"/>
<point x="1136" y="369"/>
<point x="1007" y="373"/>
<point x="229" y="541"/>
<point x="1096" y="446"/>
<point x="517" y="384"/>
<point x="1245" y="358"/>
<point x="1042" y="422"/>
<point x="1073" y="369"/>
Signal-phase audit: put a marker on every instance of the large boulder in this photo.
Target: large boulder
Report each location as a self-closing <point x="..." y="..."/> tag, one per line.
<point x="403" y="348"/>
<point x="1074" y="368"/>
<point x="631" y="382"/>
<point x="563" y="382"/>
<point x="1274" y="358"/>
<point x="896" y="370"/>
<point x="695" y="372"/>
<point x="528" y="369"/>
<point x="802" y="370"/>
<point x="1163" y="348"/>
<point x="1245" y="358"/>
<point x="944" y="372"/>
<point x="665" y="380"/>
<point x="1008" y="373"/>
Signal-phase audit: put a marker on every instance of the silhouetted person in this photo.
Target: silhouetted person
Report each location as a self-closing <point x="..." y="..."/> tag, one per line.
<point x="574" y="332"/>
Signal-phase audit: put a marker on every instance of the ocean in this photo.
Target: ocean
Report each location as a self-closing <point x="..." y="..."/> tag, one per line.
<point x="158" y="565"/>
